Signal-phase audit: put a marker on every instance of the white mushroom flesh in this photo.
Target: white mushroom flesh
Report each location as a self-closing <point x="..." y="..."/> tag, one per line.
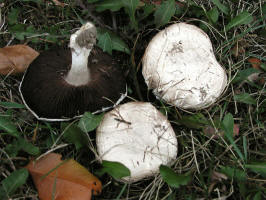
<point x="139" y="136"/>
<point x="180" y="66"/>
<point x="79" y="74"/>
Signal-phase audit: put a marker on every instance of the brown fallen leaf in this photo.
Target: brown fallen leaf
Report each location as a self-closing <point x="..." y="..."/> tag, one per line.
<point x="217" y="176"/>
<point x="62" y="180"/>
<point x="239" y="48"/>
<point x="255" y="77"/>
<point x="58" y="3"/>
<point x="262" y="81"/>
<point x="15" y="59"/>
<point x="210" y="131"/>
<point x="255" y="62"/>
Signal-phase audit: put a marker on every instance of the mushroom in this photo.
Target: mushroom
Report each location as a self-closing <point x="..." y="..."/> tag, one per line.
<point x="180" y="67"/>
<point x="137" y="135"/>
<point x="64" y="83"/>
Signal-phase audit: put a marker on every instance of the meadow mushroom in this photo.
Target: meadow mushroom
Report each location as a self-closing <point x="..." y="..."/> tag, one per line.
<point x="63" y="83"/>
<point x="139" y="136"/>
<point x="180" y="67"/>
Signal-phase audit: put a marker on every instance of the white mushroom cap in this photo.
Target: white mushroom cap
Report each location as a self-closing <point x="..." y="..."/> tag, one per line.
<point x="180" y="67"/>
<point x="137" y="135"/>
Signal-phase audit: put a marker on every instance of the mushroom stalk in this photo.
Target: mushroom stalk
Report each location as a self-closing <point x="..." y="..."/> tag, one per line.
<point x="79" y="73"/>
<point x="81" y="44"/>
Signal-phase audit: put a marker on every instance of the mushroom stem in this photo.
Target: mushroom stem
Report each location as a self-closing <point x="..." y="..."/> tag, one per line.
<point x="79" y="74"/>
<point x="81" y="44"/>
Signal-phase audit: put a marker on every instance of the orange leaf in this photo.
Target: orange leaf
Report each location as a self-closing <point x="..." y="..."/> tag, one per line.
<point x="62" y="180"/>
<point x="255" y="62"/>
<point x="15" y="59"/>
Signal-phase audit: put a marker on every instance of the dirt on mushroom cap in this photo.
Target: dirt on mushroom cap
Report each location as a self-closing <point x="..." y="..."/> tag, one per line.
<point x="180" y="67"/>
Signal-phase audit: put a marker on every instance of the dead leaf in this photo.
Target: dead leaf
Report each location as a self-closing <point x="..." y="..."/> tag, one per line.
<point x="255" y="77"/>
<point x="210" y="131"/>
<point x="255" y="62"/>
<point x="262" y="81"/>
<point x="62" y="180"/>
<point x="239" y="48"/>
<point x="58" y="3"/>
<point x="217" y="176"/>
<point x="15" y="59"/>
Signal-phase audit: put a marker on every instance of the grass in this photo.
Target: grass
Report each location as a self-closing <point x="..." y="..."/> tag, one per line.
<point x="221" y="166"/>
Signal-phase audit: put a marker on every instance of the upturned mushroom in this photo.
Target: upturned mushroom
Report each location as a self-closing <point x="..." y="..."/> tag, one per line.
<point x="139" y="136"/>
<point x="64" y="83"/>
<point x="180" y="67"/>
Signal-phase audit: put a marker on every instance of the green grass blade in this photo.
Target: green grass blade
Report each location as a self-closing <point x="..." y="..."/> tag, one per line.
<point x="121" y="192"/>
<point x="10" y="184"/>
<point x="11" y="105"/>
<point x="28" y="147"/>
<point x="115" y="169"/>
<point x="7" y="125"/>
<point x="245" y="98"/>
<point x="258" y="167"/>
<point x="164" y="13"/>
<point x="117" y="43"/>
<point x="105" y="43"/>
<point x="221" y="6"/>
<point x="130" y="8"/>
<point x="234" y="173"/>
<point x="243" y="18"/>
<point x="73" y="134"/>
<point x="173" y="179"/>
<point x="213" y="15"/>
<point x="228" y="126"/>
<point x="89" y="122"/>
<point x="245" y="148"/>
<point x="109" y="5"/>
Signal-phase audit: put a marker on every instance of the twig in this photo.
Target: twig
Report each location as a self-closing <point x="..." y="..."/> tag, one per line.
<point x="194" y="152"/>
<point x="51" y="150"/>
